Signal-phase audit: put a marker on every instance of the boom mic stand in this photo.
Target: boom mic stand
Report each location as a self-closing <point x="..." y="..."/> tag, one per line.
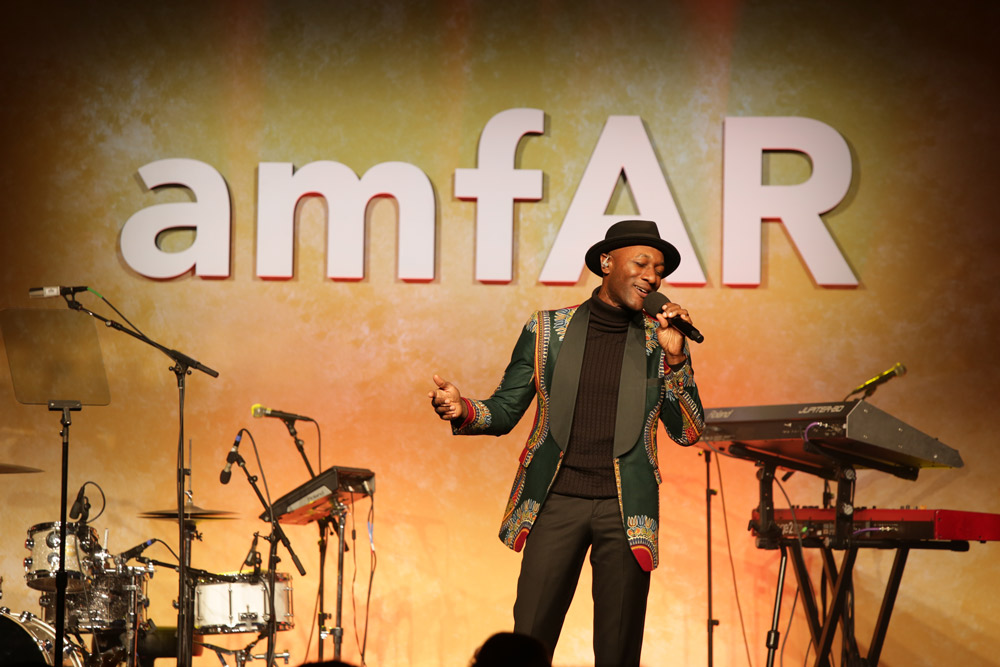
<point x="277" y="535"/>
<point x="181" y="368"/>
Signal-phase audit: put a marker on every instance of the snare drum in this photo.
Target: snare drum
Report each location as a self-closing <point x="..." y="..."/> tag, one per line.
<point x="27" y="640"/>
<point x="241" y="605"/>
<point x="43" y="541"/>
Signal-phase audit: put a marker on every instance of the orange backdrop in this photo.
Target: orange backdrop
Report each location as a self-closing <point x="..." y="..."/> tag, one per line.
<point x="90" y="93"/>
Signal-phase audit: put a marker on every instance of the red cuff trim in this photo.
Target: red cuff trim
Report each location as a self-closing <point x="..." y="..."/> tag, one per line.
<point x="470" y="413"/>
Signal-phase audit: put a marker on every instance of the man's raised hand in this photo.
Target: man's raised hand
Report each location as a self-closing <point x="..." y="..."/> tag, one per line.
<point x="447" y="400"/>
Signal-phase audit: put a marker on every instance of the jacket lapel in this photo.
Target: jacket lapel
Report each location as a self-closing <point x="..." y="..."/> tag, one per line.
<point x="630" y="416"/>
<point x="566" y="376"/>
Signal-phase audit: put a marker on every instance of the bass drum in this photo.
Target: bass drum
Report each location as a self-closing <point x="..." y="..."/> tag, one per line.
<point x="27" y="640"/>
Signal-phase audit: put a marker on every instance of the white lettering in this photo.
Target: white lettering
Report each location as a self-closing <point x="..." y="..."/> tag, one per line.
<point x="623" y="147"/>
<point x="747" y="201"/>
<point x="208" y="215"/>
<point x="496" y="184"/>
<point x="280" y="187"/>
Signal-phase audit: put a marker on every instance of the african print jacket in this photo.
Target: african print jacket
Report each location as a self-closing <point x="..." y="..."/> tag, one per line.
<point x="546" y="364"/>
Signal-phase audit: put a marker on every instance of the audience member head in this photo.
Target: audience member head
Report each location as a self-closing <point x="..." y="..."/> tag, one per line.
<point x="508" y="648"/>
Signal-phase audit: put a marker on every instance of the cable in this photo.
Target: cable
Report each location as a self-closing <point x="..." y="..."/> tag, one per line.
<point x="319" y="445"/>
<point x="788" y="628"/>
<point x="354" y="579"/>
<point x="797" y="531"/>
<point x="732" y="564"/>
<point x="373" y="561"/>
<point x="312" y="627"/>
<point x="172" y="552"/>
<point x="260" y="467"/>
<point x="116" y="310"/>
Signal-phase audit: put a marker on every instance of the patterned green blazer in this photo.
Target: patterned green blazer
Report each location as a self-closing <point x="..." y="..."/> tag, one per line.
<point x="546" y="364"/>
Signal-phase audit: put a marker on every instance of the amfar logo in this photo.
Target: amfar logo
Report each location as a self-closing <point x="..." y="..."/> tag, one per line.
<point x="495" y="184"/>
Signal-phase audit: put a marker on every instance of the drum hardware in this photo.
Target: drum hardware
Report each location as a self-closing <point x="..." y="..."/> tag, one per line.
<point x="108" y="601"/>
<point x="187" y="518"/>
<point x="26" y="639"/>
<point x="191" y="513"/>
<point x="243" y="655"/>
<point x="12" y="469"/>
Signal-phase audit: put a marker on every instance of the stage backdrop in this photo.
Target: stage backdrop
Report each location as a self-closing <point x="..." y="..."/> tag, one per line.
<point x="118" y="123"/>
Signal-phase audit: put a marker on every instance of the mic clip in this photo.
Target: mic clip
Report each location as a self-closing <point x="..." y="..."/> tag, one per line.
<point x="85" y="511"/>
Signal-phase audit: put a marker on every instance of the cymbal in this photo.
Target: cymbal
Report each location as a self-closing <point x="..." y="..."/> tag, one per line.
<point x="191" y="513"/>
<point x="10" y="468"/>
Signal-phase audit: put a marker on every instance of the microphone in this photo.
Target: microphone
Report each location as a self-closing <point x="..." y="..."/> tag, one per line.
<point x="259" y="410"/>
<point x="869" y="386"/>
<point x="48" y="292"/>
<point x="74" y="512"/>
<point x="136" y="550"/>
<point x="653" y="304"/>
<point x="230" y="460"/>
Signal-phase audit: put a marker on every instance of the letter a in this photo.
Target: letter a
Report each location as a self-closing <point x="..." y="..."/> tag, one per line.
<point x="623" y="147"/>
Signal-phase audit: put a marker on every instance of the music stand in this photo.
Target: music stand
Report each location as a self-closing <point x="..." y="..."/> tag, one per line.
<point x="55" y="360"/>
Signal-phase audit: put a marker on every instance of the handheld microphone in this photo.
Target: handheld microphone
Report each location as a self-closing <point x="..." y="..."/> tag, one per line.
<point x="230" y="460"/>
<point x="653" y="304"/>
<point x="259" y="410"/>
<point x="136" y="550"/>
<point x="48" y="292"/>
<point x="77" y="508"/>
<point x="881" y="378"/>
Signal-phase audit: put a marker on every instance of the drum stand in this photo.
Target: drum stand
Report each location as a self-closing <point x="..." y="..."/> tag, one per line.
<point x="243" y="655"/>
<point x="276" y="535"/>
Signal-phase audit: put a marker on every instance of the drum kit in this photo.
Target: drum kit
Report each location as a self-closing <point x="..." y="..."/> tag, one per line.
<point x="106" y="598"/>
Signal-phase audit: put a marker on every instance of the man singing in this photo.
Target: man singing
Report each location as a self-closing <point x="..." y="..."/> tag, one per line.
<point x="603" y="372"/>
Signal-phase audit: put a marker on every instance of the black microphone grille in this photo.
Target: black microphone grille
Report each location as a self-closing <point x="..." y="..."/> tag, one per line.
<point x="654" y="302"/>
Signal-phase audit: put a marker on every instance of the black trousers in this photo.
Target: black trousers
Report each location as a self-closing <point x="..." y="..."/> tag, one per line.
<point x="550" y="569"/>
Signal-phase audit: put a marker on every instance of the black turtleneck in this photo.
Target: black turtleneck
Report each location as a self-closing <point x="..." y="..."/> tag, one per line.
<point x="587" y="469"/>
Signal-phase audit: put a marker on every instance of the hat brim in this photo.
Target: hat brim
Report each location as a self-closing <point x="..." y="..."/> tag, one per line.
<point x="671" y="256"/>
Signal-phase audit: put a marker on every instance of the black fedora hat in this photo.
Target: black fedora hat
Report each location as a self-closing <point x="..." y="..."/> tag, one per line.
<point x="628" y="233"/>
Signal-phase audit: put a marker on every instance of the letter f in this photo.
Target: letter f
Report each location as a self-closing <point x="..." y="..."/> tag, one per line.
<point x="496" y="184"/>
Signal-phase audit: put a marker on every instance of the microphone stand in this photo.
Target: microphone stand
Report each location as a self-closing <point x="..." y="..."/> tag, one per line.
<point x="299" y="445"/>
<point x="185" y="595"/>
<point x="324" y="528"/>
<point x="277" y="535"/>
